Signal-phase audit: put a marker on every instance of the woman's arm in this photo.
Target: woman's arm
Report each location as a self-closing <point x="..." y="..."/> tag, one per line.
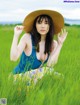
<point x="53" y="58"/>
<point x="16" y="49"/>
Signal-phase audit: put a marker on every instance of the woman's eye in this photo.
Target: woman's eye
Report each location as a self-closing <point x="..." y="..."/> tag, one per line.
<point x="39" y="22"/>
<point x="46" y="22"/>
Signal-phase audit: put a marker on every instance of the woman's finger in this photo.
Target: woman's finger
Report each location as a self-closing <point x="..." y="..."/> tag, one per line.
<point x="19" y="27"/>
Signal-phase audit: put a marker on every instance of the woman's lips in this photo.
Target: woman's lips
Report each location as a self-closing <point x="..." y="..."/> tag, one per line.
<point x="42" y="30"/>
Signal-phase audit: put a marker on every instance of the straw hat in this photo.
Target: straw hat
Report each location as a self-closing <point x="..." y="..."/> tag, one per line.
<point x="57" y="18"/>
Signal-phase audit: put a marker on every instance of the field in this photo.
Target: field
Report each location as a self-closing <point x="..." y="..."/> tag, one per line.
<point x="52" y="89"/>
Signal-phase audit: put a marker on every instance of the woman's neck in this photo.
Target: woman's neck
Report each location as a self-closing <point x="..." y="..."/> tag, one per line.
<point x="43" y="37"/>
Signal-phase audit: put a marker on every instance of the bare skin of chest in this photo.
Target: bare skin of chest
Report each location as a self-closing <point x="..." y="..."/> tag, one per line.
<point x="40" y="55"/>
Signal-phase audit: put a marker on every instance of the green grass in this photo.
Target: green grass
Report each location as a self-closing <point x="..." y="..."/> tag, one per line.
<point x="52" y="89"/>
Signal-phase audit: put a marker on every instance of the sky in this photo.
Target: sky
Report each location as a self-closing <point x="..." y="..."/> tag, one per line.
<point x="16" y="10"/>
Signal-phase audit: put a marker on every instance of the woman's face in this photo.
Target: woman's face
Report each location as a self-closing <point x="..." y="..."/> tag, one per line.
<point x="42" y="26"/>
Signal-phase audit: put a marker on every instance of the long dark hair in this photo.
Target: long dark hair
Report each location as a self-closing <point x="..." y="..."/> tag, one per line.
<point x="49" y="36"/>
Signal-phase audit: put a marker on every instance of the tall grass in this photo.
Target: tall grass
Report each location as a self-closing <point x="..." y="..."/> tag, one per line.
<point x="52" y="89"/>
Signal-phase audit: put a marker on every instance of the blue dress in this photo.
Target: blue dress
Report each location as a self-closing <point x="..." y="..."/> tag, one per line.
<point x="28" y="62"/>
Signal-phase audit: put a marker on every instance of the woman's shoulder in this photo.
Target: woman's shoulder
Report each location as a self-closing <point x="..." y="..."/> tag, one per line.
<point x="27" y="36"/>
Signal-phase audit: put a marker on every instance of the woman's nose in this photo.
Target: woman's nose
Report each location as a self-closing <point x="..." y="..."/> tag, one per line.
<point x="43" y="25"/>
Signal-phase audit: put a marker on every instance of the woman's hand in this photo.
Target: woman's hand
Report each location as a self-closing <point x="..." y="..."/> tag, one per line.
<point x="18" y="30"/>
<point x="62" y="36"/>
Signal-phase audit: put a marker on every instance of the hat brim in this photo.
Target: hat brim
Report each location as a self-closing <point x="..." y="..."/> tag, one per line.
<point x="57" y="18"/>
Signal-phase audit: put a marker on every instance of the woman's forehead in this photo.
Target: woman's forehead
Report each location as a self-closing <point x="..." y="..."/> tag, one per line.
<point x="41" y="18"/>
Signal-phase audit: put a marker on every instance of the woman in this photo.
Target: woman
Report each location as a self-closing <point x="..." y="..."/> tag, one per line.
<point x="37" y="46"/>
